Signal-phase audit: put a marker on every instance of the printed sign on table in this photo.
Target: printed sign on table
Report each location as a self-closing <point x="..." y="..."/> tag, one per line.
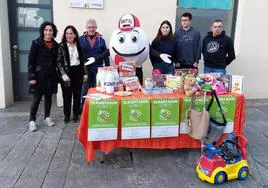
<point x="135" y="118"/>
<point x="228" y="104"/>
<point x="165" y="118"/>
<point x="186" y="101"/>
<point x="103" y="120"/>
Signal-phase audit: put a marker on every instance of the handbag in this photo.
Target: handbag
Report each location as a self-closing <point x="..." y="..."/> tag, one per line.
<point x="197" y="122"/>
<point x="216" y="129"/>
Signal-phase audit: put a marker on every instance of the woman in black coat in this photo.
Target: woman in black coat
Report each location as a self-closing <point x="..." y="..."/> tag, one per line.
<point x="71" y="67"/>
<point x="42" y="63"/>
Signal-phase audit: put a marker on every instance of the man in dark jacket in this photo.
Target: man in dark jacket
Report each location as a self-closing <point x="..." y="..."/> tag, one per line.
<point x="188" y="43"/>
<point x="94" y="47"/>
<point x="218" y="49"/>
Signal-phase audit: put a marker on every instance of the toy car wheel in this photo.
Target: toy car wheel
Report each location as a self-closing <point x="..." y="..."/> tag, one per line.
<point x="220" y="178"/>
<point x="243" y="173"/>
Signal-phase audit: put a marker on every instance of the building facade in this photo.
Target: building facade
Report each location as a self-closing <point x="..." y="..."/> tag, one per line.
<point x="244" y="21"/>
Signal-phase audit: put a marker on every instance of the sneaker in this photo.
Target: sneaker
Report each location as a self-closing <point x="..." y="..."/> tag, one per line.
<point x="49" y="122"/>
<point x="32" y="126"/>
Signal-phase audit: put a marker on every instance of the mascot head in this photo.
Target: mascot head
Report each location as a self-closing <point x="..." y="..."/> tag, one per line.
<point x="129" y="42"/>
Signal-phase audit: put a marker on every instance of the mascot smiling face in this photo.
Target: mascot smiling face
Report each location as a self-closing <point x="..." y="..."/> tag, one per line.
<point x="129" y="42"/>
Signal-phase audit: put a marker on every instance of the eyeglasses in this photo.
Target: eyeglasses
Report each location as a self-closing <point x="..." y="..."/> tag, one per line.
<point x="91" y="27"/>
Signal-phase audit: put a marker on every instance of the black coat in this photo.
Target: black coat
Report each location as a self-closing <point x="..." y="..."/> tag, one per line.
<point x="42" y="63"/>
<point x="63" y="60"/>
<point x="218" y="51"/>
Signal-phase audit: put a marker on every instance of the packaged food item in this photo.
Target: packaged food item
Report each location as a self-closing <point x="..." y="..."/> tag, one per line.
<point x="148" y="84"/>
<point x="184" y="72"/>
<point x="127" y="68"/>
<point x="159" y="80"/>
<point x="174" y="82"/>
<point x="99" y="79"/>
<point x="110" y="81"/>
<point x="131" y="83"/>
<point x="158" y="90"/>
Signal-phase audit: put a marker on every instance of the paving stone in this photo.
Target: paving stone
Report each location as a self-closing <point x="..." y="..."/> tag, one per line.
<point x="54" y="179"/>
<point x="119" y="158"/>
<point x="7" y="181"/>
<point x="86" y="178"/>
<point x="37" y="167"/>
<point x="17" y="160"/>
<point x="117" y="178"/>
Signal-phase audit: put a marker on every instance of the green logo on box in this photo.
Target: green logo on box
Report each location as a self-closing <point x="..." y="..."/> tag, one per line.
<point x="165" y="112"/>
<point x="228" y="104"/>
<point x="103" y="114"/>
<point x="135" y="112"/>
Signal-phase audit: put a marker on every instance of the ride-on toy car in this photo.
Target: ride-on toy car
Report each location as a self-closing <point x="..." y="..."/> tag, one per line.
<point x="227" y="162"/>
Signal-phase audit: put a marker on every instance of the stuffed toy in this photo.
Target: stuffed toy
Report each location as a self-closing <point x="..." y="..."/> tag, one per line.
<point x="190" y="86"/>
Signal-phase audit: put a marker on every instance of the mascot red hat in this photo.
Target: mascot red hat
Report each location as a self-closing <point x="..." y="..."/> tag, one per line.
<point x="128" y="22"/>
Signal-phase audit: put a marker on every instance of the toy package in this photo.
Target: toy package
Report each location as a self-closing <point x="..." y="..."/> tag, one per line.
<point x="237" y="84"/>
<point x="159" y="80"/>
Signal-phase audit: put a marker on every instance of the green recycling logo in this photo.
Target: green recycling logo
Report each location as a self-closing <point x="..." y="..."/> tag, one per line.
<point x="135" y="115"/>
<point x="103" y="116"/>
<point x="164" y="114"/>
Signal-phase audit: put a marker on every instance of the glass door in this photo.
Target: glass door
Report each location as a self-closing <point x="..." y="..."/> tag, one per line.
<point x="25" y="18"/>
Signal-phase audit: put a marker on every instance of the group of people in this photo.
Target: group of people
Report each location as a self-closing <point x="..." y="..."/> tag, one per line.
<point x="183" y="49"/>
<point x="74" y="62"/>
<point x="50" y="63"/>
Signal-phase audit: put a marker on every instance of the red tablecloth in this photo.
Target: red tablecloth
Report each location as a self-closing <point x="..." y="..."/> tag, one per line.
<point x="182" y="141"/>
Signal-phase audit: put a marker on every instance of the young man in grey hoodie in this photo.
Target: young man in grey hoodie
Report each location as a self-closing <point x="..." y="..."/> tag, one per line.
<point x="188" y="43"/>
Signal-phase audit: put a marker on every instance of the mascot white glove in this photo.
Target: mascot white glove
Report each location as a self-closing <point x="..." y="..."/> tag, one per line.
<point x="165" y="58"/>
<point x="90" y="61"/>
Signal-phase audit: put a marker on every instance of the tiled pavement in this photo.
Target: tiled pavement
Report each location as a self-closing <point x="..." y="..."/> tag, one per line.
<point x="53" y="157"/>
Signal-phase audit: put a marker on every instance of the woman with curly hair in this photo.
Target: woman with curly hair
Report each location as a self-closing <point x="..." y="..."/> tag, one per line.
<point x="42" y="63"/>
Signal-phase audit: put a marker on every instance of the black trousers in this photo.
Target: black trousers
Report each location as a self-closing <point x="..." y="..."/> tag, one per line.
<point x="35" y="104"/>
<point x="72" y="90"/>
<point x="91" y="83"/>
<point x="139" y="74"/>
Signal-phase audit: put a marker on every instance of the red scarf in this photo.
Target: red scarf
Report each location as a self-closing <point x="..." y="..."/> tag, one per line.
<point x="93" y="40"/>
<point x="48" y="44"/>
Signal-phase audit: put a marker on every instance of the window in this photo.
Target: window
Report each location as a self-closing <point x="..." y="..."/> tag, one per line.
<point x="205" y="11"/>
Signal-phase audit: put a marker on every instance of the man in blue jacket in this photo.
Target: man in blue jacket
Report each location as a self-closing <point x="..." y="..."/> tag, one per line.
<point x="218" y="49"/>
<point x="95" y="50"/>
<point x="188" y="43"/>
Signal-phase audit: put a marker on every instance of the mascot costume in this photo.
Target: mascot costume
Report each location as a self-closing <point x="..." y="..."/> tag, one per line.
<point x="129" y="43"/>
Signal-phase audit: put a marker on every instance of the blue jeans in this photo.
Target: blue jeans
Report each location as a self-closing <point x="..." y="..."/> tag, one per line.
<point x="214" y="70"/>
<point x="164" y="68"/>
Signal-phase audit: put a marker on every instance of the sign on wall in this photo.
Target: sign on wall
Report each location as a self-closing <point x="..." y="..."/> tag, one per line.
<point x="206" y="4"/>
<point x="94" y="4"/>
